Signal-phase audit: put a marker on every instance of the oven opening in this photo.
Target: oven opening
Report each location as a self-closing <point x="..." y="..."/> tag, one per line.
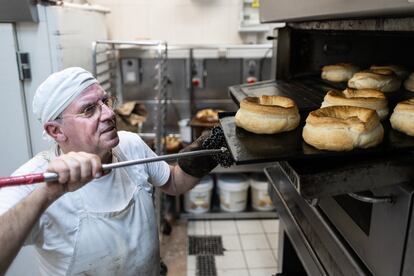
<point x="313" y="49"/>
<point x="359" y="211"/>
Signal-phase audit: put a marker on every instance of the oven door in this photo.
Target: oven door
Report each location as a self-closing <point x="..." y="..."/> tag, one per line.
<point x="319" y="247"/>
<point x="376" y="231"/>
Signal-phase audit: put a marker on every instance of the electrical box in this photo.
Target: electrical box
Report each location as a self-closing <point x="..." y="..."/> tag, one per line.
<point x="131" y="71"/>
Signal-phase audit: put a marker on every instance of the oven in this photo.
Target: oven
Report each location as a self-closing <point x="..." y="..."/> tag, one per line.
<point x="356" y="222"/>
<point x="342" y="213"/>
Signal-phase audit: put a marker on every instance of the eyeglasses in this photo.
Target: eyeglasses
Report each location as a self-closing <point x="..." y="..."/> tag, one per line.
<point x="93" y="109"/>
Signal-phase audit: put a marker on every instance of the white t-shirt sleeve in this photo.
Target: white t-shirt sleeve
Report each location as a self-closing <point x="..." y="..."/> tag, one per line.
<point x="136" y="148"/>
<point x="10" y="196"/>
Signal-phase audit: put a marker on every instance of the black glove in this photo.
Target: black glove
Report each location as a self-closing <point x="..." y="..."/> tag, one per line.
<point x="197" y="166"/>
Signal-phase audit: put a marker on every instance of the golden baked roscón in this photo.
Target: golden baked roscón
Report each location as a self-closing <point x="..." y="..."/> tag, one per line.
<point x="172" y="144"/>
<point x="384" y="80"/>
<point x="409" y="83"/>
<point x="343" y="128"/>
<point x="400" y="71"/>
<point x="208" y="115"/>
<point x="402" y="118"/>
<point x="267" y="114"/>
<point x="368" y="98"/>
<point x="339" y="72"/>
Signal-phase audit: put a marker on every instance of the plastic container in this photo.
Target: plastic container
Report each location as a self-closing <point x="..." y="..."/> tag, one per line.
<point x="233" y="192"/>
<point x="185" y="130"/>
<point x="198" y="199"/>
<point x="260" y="197"/>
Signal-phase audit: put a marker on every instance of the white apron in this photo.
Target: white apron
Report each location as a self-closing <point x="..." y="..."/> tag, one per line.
<point x="121" y="242"/>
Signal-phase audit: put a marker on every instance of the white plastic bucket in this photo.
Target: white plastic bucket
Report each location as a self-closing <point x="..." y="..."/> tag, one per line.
<point x="185" y="130"/>
<point x="233" y="192"/>
<point x="198" y="199"/>
<point x="260" y="197"/>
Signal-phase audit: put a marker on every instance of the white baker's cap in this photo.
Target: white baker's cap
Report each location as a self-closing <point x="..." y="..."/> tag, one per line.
<point x="58" y="91"/>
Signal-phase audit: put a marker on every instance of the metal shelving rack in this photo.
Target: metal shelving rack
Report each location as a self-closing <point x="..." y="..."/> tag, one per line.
<point x="106" y="68"/>
<point x="216" y="212"/>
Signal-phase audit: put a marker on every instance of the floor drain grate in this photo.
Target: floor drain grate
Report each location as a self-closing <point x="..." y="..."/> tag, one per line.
<point x="206" y="266"/>
<point x="205" y="245"/>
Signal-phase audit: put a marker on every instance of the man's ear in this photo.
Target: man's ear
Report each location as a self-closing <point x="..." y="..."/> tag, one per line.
<point x="54" y="129"/>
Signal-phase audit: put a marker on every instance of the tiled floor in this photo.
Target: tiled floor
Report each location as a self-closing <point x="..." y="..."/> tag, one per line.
<point x="250" y="246"/>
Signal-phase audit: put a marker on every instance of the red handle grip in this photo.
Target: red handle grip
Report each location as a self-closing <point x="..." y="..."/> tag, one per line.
<point x="21" y="180"/>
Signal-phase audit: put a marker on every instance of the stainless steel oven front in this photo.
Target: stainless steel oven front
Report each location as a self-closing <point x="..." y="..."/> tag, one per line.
<point x="364" y="233"/>
<point x="375" y="229"/>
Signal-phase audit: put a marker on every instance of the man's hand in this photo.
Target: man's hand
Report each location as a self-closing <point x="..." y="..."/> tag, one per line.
<point x="197" y="166"/>
<point x="75" y="169"/>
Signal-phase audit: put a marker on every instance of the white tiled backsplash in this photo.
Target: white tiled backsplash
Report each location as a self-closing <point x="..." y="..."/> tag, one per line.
<point x="176" y="21"/>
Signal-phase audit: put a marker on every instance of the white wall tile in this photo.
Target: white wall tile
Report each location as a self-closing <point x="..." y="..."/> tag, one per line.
<point x="216" y="25"/>
<point x="177" y="21"/>
<point x="114" y="21"/>
<point x="161" y="22"/>
<point x="234" y="24"/>
<point x="131" y="2"/>
<point x="187" y="22"/>
<point x="135" y="22"/>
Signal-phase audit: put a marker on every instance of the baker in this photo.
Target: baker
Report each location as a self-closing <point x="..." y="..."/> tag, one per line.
<point x="89" y="222"/>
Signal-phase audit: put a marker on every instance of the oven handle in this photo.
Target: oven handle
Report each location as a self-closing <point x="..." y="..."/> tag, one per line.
<point x="372" y="199"/>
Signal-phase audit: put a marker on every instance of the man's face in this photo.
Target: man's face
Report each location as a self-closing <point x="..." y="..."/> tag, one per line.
<point x="96" y="134"/>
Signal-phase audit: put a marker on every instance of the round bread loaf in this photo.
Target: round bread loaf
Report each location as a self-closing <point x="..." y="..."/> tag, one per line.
<point x="384" y="80"/>
<point x="402" y="119"/>
<point x="409" y="83"/>
<point x="208" y="115"/>
<point x="339" y="72"/>
<point x="368" y="98"/>
<point x="172" y="144"/>
<point x="343" y="128"/>
<point x="400" y="71"/>
<point x="267" y="114"/>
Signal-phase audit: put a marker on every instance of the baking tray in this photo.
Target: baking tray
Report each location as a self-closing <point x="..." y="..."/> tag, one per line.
<point x="305" y="98"/>
<point x="307" y="91"/>
<point x="248" y="148"/>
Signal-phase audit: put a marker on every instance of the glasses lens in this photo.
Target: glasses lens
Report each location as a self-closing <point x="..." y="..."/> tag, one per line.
<point x="89" y="111"/>
<point x="110" y="102"/>
<point x="92" y="110"/>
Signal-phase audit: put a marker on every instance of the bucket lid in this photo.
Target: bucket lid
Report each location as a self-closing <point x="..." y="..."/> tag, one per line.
<point x="206" y="183"/>
<point x="184" y="122"/>
<point x="258" y="177"/>
<point x="233" y="182"/>
<point x="259" y="181"/>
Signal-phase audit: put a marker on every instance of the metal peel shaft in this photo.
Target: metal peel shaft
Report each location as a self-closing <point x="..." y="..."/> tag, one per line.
<point x="49" y="177"/>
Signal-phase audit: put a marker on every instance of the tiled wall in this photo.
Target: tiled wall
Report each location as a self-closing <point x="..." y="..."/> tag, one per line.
<point x="176" y="21"/>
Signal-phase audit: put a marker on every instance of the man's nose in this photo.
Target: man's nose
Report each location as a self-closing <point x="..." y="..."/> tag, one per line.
<point x="107" y="112"/>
